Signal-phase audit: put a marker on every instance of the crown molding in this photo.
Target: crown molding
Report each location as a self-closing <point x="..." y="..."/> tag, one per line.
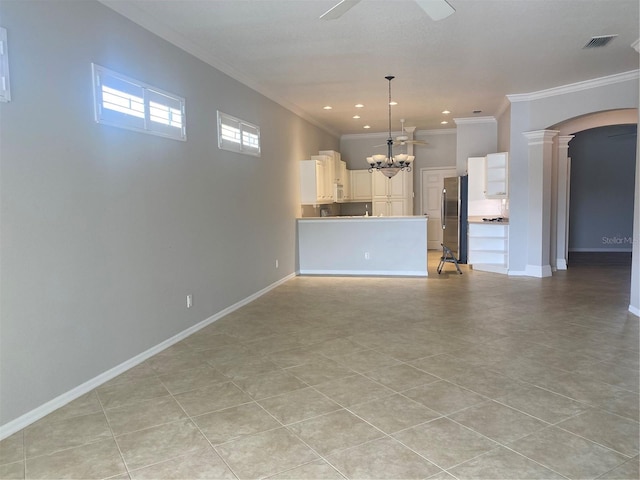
<point x="440" y="131"/>
<point x="385" y="135"/>
<point x="355" y="136"/>
<point x="468" y="120"/>
<point x="575" y="87"/>
<point x="130" y="11"/>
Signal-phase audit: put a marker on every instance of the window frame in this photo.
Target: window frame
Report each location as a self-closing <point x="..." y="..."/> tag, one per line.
<point x="144" y="112"/>
<point x="246" y="135"/>
<point x="5" y="82"/>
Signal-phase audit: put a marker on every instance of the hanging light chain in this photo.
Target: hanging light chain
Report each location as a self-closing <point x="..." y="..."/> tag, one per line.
<point x="390" y="165"/>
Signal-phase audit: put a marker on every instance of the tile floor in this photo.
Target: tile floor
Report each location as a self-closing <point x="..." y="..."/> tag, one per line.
<point x="473" y="376"/>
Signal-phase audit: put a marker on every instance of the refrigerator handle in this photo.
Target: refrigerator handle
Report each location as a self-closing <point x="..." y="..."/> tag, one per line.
<point x="443" y="208"/>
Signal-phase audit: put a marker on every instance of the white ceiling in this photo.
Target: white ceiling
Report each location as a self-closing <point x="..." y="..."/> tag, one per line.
<point x="468" y="61"/>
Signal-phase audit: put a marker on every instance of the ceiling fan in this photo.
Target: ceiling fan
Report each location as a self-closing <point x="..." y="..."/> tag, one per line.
<point x="403" y="138"/>
<point x="436" y="9"/>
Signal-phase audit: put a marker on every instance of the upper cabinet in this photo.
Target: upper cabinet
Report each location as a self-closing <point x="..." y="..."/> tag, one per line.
<point x="496" y="178"/>
<point x="346" y="181"/>
<point x="335" y="166"/>
<point x="315" y="181"/>
<point x="360" y="185"/>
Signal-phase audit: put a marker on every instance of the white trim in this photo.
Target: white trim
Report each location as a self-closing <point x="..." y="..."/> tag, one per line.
<point x="37" y="413"/>
<point x="575" y="87"/>
<point x="355" y="136"/>
<point x="385" y="135"/>
<point x="517" y="273"/>
<point x="5" y="80"/>
<point x="561" y="264"/>
<point x="366" y="273"/>
<point x="538" y="271"/>
<point x="635" y="311"/>
<point x="490" y="267"/>
<point x="470" y="120"/>
<point x="636" y="45"/>
<point x="442" y="131"/>
<point x="599" y="250"/>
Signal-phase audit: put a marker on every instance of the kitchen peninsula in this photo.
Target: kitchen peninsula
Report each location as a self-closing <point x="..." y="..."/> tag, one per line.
<point x="371" y="246"/>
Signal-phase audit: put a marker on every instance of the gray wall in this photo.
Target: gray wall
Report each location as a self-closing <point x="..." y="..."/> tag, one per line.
<point x="476" y="137"/>
<point x="602" y="187"/>
<point x="104" y="230"/>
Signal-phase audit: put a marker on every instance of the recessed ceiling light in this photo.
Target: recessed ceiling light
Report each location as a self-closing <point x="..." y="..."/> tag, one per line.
<point x="356" y="116"/>
<point x="393" y="102"/>
<point x="367" y="126"/>
<point x="327" y="107"/>
<point x="359" y="105"/>
<point x="444" y="122"/>
<point x="446" y="112"/>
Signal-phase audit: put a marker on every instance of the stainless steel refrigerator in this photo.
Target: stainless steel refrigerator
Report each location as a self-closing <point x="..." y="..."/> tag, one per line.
<point x="454" y="216"/>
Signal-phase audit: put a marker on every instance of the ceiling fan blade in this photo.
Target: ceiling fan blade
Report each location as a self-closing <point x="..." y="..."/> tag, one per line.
<point x="436" y="9"/>
<point x="339" y="9"/>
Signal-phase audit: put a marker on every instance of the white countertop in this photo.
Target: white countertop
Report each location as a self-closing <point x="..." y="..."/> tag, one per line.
<point x="479" y="220"/>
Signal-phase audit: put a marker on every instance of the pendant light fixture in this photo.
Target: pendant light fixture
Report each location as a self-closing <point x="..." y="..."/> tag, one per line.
<point x="388" y="164"/>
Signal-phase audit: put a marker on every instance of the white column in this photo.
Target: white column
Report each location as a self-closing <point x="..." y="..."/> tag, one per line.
<point x="562" y="210"/>
<point x="553" y="233"/>
<point x="539" y="208"/>
<point x="634" y="301"/>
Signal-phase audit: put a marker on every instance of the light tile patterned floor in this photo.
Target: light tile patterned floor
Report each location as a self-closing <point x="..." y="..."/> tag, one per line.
<point x="473" y="376"/>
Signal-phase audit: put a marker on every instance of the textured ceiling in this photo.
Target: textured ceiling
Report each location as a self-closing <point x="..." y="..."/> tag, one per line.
<point x="465" y="62"/>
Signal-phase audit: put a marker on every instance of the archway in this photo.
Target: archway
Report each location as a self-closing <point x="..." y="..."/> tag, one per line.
<point x="561" y="177"/>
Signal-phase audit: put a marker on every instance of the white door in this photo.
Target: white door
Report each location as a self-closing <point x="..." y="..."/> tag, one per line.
<point x="431" y="183"/>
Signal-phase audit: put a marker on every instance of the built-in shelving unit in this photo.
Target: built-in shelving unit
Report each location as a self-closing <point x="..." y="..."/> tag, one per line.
<point x="497" y="175"/>
<point x="489" y="246"/>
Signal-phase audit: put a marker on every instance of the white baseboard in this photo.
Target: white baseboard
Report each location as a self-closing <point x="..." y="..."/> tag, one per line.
<point x="561" y="264"/>
<point x="517" y="273"/>
<point x="490" y="267"/>
<point x="37" y="413"/>
<point x="538" y="271"/>
<point x="634" y="310"/>
<point x="601" y="250"/>
<point x="366" y="273"/>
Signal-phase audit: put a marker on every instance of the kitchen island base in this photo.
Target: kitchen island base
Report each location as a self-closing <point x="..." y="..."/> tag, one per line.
<point x="363" y="246"/>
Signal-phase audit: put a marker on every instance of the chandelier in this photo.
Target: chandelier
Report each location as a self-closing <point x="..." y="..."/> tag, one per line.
<point x="388" y="164"/>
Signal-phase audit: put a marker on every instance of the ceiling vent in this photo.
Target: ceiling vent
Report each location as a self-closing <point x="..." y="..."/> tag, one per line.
<point x="601" y="41"/>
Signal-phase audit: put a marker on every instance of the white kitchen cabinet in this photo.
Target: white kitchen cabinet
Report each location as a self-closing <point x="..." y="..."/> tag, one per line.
<point x="489" y="246"/>
<point x="326" y="176"/>
<point x="315" y="187"/>
<point x="335" y="166"/>
<point x="496" y="179"/>
<point x="392" y="196"/>
<point x="345" y="175"/>
<point x="360" y="185"/>
<point x="477" y="184"/>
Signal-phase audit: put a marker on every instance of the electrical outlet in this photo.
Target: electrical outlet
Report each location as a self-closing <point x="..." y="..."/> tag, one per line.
<point x="366" y="256"/>
<point x="189" y="301"/>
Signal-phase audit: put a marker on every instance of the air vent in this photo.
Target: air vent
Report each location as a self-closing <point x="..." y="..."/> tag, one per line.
<point x="601" y="41"/>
